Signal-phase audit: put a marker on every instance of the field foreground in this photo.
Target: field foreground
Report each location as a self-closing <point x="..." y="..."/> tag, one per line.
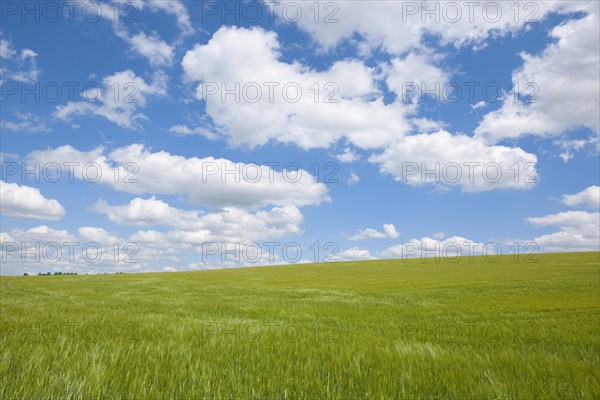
<point x="370" y="329"/>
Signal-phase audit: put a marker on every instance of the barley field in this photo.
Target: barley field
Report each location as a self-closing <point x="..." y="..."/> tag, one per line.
<point x="388" y="329"/>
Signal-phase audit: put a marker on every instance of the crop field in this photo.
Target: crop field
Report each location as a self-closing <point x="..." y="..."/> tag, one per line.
<point x="370" y="329"/>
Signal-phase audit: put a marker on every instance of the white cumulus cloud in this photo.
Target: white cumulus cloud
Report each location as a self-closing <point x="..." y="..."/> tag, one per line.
<point x="444" y="160"/>
<point x="207" y="181"/>
<point x="118" y="100"/>
<point x="578" y="231"/>
<point x="398" y="26"/>
<point x="589" y="197"/>
<point x="279" y="101"/>
<point x="157" y="51"/>
<point x="563" y="81"/>
<point x="449" y="248"/>
<point x="229" y="224"/>
<point x="28" y="202"/>
<point x="389" y="232"/>
<point x="354" y="253"/>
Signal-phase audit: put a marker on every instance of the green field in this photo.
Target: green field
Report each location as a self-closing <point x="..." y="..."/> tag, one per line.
<point x="369" y="329"/>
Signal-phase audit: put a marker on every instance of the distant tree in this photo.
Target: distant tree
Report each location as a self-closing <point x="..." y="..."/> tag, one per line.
<point x="56" y="273"/>
<point x="25" y="274"/>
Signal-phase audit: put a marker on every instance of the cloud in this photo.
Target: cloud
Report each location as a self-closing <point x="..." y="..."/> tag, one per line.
<point x="27" y="122"/>
<point x="230" y="224"/>
<point x="99" y="235"/>
<point x="573" y="59"/>
<point x="206" y="181"/>
<point x="117" y="99"/>
<point x="397" y="26"/>
<point x="278" y="101"/>
<point x="6" y="49"/>
<point x="389" y="232"/>
<point x="408" y="76"/>
<point x="235" y="225"/>
<point x="569" y="146"/>
<point x="348" y="156"/>
<point x="428" y="247"/>
<point x="156" y="50"/>
<point x="42" y="233"/>
<point x="177" y="9"/>
<point x="228" y="230"/>
<point x="354" y="253"/>
<point x="186" y="131"/>
<point x="444" y="160"/>
<point x="149" y="236"/>
<point x="91" y="250"/>
<point x="360" y="117"/>
<point x="570" y="219"/>
<point x="353" y="179"/>
<point x="28" y="202"/>
<point x="95" y="250"/>
<point x="589" y="197"/>
<point x="425" y="125"/>
<point x="19" y="66"/>
<point x="147" y="212"/>
<point x="567" y="85"/>
<point x="478" y="105"/>
<point x="578" y="231"/>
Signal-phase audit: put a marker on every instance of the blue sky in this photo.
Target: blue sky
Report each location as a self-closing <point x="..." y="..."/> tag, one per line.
<point x="388" y="92"/>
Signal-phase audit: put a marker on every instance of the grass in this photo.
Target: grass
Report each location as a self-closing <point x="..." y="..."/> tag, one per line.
<point x="371" y="329"/>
